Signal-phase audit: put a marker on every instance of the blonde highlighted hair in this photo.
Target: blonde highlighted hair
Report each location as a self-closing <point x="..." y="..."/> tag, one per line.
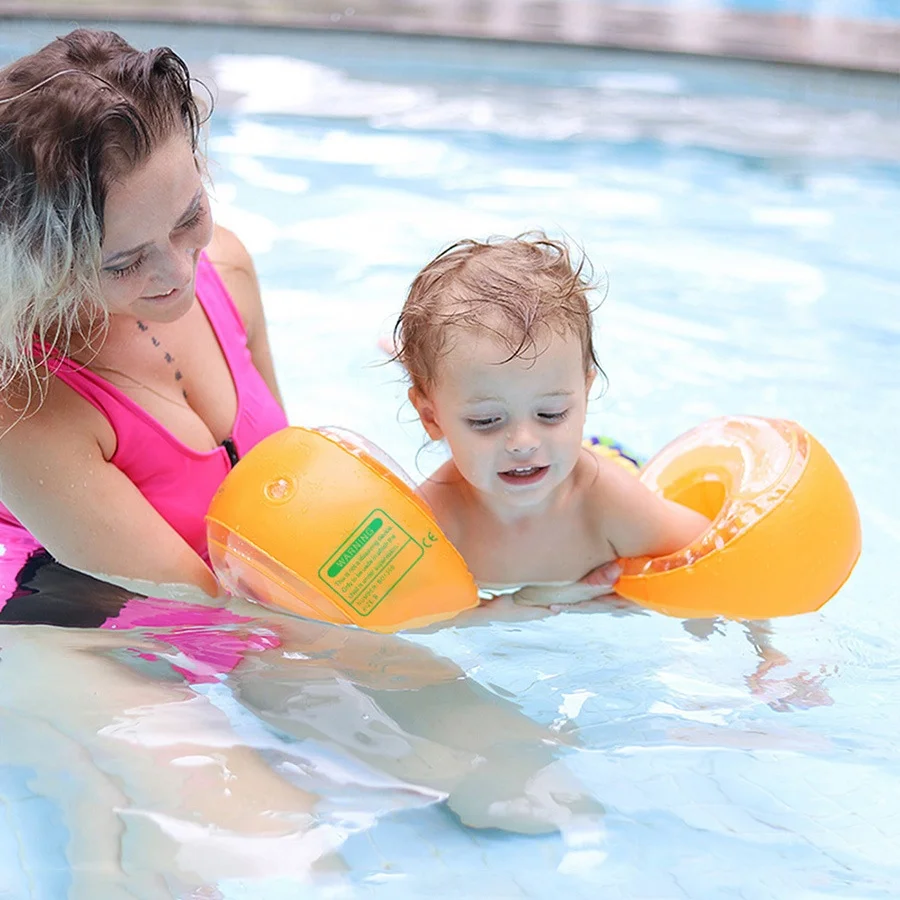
<point x="512" y="288"/>
<point x="86" y="109"/>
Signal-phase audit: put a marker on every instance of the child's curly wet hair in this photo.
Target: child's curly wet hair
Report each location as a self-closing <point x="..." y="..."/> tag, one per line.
<point x="512" y="288"/>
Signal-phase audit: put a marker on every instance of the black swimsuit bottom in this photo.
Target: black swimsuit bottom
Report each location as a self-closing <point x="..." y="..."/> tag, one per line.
<point x="48" y="593"/>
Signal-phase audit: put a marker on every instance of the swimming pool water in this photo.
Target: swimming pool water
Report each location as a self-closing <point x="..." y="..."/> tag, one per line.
<point x="745" y="219"/>
<point x="840" y="9"/>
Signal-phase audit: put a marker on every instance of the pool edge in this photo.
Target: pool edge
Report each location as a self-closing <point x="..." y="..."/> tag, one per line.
<point x="864" y="45"/>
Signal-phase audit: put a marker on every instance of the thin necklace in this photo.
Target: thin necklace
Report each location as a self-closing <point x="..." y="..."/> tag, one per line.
<point x="170" y="360"/>
<point x="181" y="404"/>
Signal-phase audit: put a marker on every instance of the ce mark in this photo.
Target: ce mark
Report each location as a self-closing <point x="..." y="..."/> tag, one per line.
<point x="430" y="540"/>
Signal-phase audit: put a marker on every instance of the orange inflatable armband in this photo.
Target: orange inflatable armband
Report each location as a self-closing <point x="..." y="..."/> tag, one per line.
<point x="784" y="534"/>
<point x="315" y="522"/>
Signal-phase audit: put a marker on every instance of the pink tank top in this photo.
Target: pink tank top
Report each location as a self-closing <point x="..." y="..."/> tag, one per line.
<point x="179" y="482"/>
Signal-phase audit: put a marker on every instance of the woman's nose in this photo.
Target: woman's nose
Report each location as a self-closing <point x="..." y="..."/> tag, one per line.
<point x="178" y="267"/>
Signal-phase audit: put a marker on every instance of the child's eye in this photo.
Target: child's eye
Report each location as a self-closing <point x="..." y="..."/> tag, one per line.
<point x="483" y="424"/>
<point x="553" y="416"/>
<point x="130" y="269"/>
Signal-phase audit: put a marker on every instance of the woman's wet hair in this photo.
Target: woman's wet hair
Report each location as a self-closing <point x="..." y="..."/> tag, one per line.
<point x="83" y="111"/>
<point x="512" y="288"/>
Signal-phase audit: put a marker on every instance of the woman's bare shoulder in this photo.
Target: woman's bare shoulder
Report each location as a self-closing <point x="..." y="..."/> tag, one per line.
<point x="227" y="250"/>
<point x="234" y="264"/>
<point x="43" y="420"/>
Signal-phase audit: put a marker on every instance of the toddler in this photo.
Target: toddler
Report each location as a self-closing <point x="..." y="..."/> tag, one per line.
<point x="497" y="340"/>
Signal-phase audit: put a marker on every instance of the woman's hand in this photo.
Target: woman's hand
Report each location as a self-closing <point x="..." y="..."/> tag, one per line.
<point x="603" y="578"/>
<point x="597" y="583"/>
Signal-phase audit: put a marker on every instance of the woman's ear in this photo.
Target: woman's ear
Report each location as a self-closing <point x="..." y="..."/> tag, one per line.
<point x="425" y="409"/>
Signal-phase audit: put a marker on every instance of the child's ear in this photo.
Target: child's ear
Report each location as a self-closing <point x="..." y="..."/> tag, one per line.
<point x="425" y="409"/>
<point x="589" y="380"/>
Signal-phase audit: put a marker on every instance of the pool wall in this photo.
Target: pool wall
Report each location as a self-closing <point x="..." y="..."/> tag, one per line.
<point x="855" y="34"/>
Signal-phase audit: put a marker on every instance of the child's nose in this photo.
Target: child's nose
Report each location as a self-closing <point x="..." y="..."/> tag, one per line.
<point x="521" y="440"/>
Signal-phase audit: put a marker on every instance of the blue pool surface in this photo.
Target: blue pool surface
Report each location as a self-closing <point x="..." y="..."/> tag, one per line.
<point x="746" y="219"/>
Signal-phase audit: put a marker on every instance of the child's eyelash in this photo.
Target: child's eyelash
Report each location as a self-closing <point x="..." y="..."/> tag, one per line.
<point x="488" y="422"/>
<point x="483" y="424"/>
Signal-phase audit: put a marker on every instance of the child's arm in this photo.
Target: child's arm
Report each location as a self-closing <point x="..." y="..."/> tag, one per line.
<point x="637" y="522"/>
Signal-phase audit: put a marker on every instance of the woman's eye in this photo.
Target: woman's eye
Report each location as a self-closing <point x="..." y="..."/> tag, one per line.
<point x="483" y="424"/>
<point x="130" y="269"/>
<point x="195" y="220"/>
<point x="553" y="416"/>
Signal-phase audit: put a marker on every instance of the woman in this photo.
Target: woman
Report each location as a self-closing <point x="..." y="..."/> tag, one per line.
<point x="134" y="372"/>
<point x="134" y="363"/>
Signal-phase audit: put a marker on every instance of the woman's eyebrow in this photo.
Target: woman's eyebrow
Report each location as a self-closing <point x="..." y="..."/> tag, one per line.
<point x="193" y="206"/>
<point x="124" y="254"/>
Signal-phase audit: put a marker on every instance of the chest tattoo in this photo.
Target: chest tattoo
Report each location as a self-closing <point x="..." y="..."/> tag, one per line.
<point x="169" y="359"/>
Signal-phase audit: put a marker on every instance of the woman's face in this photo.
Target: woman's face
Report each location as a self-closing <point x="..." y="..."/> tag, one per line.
<point x="156" y="222"/>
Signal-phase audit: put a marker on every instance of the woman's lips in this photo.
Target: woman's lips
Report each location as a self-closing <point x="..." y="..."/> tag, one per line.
<point x="168" y="295"/>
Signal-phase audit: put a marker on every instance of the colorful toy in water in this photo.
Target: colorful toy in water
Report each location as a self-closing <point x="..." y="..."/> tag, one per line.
<point x="321" y="523"/>
<point x="784" y="533"/>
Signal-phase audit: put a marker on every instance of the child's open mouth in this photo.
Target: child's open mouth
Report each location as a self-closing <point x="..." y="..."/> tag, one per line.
<point x="524" y="475"/>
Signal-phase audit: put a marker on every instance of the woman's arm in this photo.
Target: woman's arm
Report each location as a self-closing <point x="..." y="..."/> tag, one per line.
<point x="55" y="479"/>
<point x="146" y="752"/>
<point x="235" y="267"/>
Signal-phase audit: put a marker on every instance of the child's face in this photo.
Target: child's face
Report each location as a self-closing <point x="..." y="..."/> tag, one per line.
<point x="514" y="428"/>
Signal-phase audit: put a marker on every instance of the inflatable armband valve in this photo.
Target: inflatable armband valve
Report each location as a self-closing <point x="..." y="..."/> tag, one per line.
<point x="321" y="523"/>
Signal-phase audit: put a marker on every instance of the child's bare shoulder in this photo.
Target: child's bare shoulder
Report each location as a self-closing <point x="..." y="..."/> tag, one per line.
<point x="443" y="492"/>
<point x="632" y="518"/>
<point x="607" y="492"/>
<point x="599" y="478"/>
